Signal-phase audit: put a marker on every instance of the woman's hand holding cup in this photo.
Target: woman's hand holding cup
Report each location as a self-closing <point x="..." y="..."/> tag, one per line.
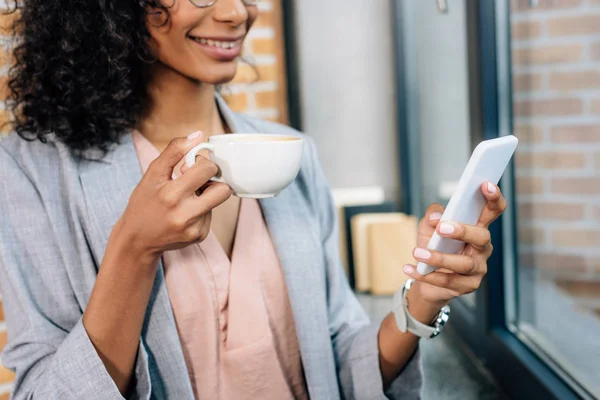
<point x="168" y="214"/>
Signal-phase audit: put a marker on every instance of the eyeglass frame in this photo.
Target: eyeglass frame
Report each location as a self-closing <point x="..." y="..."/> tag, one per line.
<point x="213" y="2"/>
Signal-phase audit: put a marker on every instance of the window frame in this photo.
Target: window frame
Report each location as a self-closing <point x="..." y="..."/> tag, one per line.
<point x="520" y="372"/>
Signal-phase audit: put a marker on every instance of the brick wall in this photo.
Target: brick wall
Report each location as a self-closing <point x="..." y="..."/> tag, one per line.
<point x="259" y="89"/>
<point x="556" y="84"/>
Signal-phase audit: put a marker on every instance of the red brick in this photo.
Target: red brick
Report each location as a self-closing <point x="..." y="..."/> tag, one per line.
<point x="529" y="133"/>
<point x="553" y="261"/>
<point x="4" y="88"/>
<point x="529" y="185"/>
<point x="577" y="25"/>
<point x="262" y="46"/>
<point x="5" y="125"/>
<point x="245" y="74"/>
<point x="266" y="19"/>
<point x="575" y="80"/>
<point x="7" y="21"/>
<point x="551" y="211"/>
<point x="3" y="339"/>
<point x="576" y="134"/>
<point x="267" y="72"/>
<point x="268" y="99"/>
<point x="238" y="102"/>
<point x="595" y="106"/>
<point x="595" y="51"/>
<point x="576" y="185"/>
<point x="531" y="235"/>
<point x="5" y="396"/>
<point x="576" y="237"/>
<point x="554" y="54"/>
<point x="525" y="5"/>
<point x="548" y="107"/>
<point x="6" y="56"/>
<point x="526" y="29"/>
<point x="527" y="82"/>
<point x="581" y="288"/>
<point x="597" y="160"/>
<point x="550" y="160"/>
<point x="1" y="311"/>
<point x="594" y="264"/>
<point x="6" y="375"/>
<point x="597" y="213"/>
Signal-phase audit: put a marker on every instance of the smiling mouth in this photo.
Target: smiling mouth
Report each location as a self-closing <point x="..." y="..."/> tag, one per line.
<point x="220" y="44"/>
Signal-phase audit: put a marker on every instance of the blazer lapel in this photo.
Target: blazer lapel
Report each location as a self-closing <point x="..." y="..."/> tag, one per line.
<point x="107" y="185"/>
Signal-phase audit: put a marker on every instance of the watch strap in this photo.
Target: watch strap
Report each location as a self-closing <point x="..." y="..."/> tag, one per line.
<point x="406" y="322"/>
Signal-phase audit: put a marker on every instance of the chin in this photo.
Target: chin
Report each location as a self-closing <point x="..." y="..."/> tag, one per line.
<point x="218" y="75"/>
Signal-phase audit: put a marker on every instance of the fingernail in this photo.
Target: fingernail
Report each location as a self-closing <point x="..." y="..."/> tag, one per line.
<point x="434" y="216"/>
<point x="409" y="269"/>
<point x="446" y="228"/>
<point x="194" y="135"/>
<point x="491" y="188"/>
<point x="422" y="254"/>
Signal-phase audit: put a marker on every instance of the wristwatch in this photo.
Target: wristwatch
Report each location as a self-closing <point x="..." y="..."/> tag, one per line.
<point x="407" y="322"/>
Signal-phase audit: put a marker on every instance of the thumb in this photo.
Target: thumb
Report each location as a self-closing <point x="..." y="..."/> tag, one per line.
<point x="174" y="153"/>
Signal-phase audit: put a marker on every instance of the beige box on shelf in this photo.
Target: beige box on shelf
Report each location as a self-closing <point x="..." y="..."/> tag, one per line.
<point x="343" y="197"/>
<point x="361" y="248"/>
<point x="391" y="244"/>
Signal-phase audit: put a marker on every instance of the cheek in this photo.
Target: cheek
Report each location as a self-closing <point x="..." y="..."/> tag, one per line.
<point x="169" y="39"/>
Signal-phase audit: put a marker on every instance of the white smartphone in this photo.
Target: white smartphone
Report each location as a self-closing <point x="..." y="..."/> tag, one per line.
<point x="487" y="164"/>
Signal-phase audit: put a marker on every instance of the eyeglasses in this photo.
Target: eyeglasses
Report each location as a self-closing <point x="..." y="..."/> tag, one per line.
<point x="208" y="3"/>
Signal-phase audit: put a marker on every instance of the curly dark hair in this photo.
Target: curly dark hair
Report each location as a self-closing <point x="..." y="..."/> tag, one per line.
<point x="81" y="69"/>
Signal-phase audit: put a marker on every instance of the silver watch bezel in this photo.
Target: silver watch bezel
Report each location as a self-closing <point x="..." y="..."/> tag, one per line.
<point x="440" y="320"/>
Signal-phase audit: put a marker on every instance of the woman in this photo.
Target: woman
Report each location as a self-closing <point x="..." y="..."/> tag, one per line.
<point x="120" y="279"/>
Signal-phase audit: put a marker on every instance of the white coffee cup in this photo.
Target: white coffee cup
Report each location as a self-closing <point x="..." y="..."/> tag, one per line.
<point x="254" y="165"/>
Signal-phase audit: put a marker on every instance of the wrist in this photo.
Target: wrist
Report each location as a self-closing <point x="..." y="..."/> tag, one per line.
<point x="423" y="310"/>
<point x="126" y="246"/>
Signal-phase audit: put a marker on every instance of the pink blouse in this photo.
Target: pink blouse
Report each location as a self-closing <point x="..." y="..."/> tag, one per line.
<point x="234" y="318"/>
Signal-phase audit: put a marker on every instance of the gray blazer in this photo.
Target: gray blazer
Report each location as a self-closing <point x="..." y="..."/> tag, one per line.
<point x="57" y="212"/>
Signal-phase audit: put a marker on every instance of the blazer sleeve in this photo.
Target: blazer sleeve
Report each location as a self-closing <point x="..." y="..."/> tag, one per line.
<point x="354" y="338"/>
<point x="48" y="347"/>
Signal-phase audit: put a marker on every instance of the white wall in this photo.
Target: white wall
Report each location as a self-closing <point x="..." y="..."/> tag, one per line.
<point x="345" y="51"/>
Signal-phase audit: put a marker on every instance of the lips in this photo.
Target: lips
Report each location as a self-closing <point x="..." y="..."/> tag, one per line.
<point x="222" y="44"/>
<point x="220" y="49"/>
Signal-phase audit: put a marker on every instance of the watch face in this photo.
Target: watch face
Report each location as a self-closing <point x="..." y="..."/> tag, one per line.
<point x="441" y="320"/>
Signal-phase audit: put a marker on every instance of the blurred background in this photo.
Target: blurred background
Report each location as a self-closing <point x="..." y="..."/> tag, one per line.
<point x="396" y="94"/>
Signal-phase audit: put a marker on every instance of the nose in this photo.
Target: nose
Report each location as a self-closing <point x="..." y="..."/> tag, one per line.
<point x="233" y="12"/>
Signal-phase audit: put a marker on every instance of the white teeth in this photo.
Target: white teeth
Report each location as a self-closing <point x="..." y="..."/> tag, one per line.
<point x="216" y="43"/>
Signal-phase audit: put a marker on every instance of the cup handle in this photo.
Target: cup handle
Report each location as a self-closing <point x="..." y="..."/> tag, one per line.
<point x="190" y="159"/>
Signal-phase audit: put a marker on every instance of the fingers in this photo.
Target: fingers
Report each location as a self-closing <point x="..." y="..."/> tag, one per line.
<point x="434" y="214"/>
<point x="477" y="236"/>
<point x="195" y="177"/>
<point x="461" y="264"/>
<point x="213" y="196"/>
<point x="162" y="166"/>
<point x="459" y="284"/>
<point x="494" y="206"/>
